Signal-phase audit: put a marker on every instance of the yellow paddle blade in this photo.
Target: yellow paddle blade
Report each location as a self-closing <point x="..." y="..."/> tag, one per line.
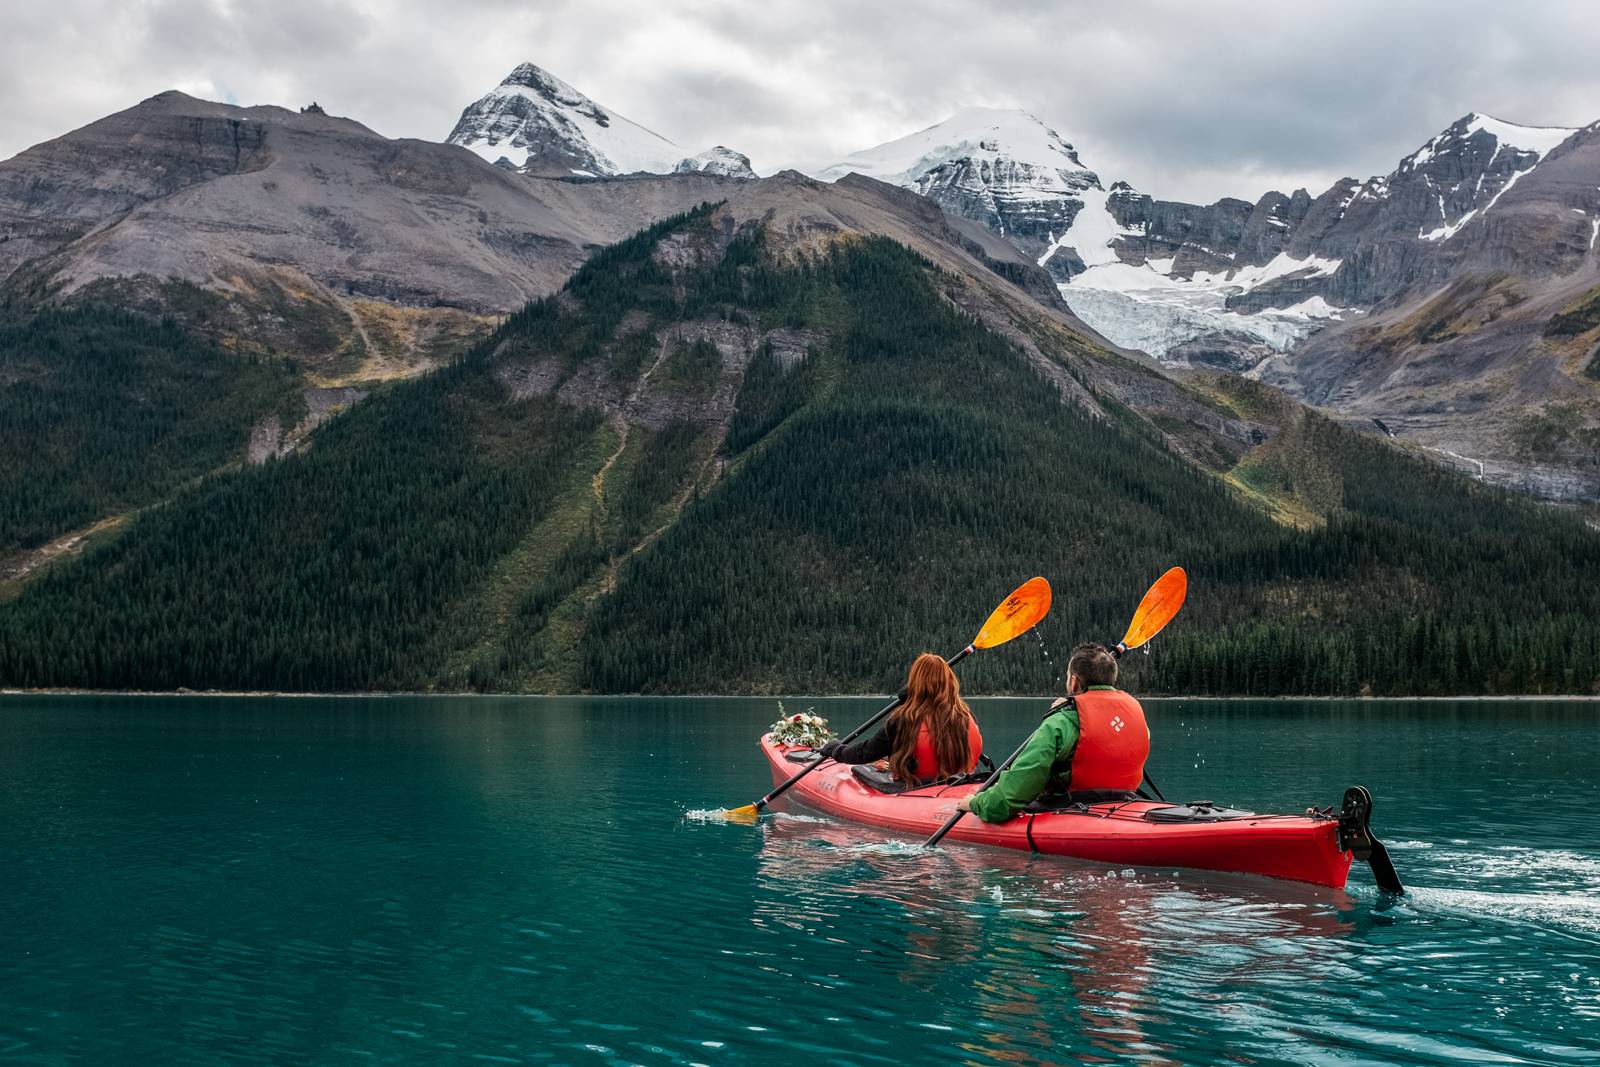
<point x="1020" y="613"/>
<point x="1158" y="607"/>
<point x="746" y="813"/>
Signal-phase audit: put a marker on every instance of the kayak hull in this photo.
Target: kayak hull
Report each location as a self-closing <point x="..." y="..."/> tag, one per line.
<point x="1301" y="848"/>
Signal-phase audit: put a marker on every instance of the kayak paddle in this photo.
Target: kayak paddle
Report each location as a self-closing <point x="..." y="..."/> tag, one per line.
<point x="1016" y="615"/>
<point x="1161" y="602"/>
<point x="1173" y="585"/>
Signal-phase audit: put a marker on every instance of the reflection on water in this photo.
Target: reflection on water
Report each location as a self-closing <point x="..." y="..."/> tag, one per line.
<point x="1057" y="951"/>
<point x="496" y="880"/>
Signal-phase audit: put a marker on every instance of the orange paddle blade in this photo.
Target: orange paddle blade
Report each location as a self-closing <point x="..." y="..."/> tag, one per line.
<point x="1020" y="613"/>
<point x="1158" y="607"/>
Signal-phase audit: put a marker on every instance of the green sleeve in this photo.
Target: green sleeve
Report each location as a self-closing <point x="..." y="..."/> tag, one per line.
<point x="1027" y="777"/>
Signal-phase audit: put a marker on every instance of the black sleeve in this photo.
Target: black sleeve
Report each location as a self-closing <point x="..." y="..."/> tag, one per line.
<point x="876" y="747"/>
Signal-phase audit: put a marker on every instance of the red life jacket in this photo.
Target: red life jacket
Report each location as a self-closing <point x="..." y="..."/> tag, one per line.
<point x="1113" y="741"/>
<point x="926" y="761"/>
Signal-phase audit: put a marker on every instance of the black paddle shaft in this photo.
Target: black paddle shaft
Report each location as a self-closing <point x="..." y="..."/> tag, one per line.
<point x="778" y="791"/>
<point x="993" y="778"/>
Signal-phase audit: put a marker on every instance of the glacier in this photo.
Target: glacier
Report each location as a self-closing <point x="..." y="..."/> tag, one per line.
<point x="1141" y="306"/>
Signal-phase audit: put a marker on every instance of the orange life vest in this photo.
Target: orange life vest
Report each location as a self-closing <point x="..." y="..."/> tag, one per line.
<point x="1113" y="741"/>
<point x="927" y="761"/>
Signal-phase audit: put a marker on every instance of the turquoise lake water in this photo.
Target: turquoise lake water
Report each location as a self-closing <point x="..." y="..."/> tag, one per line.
<point x="480" y="880"/>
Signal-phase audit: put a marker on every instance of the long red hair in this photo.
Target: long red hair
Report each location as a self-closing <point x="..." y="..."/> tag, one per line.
<point x="933" y="699"/>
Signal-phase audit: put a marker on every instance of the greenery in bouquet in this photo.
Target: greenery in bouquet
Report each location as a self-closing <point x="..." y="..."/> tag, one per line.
<point x="806" y="729"/>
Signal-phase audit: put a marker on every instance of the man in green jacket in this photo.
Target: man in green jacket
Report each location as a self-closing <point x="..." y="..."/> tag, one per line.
<point x="1093" y="740"/>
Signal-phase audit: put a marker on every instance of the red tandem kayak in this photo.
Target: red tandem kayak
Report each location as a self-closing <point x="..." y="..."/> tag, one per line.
<point x="1303" y="848"/>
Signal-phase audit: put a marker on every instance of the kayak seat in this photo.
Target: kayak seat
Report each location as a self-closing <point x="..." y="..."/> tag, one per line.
<point x="876" y="776"/>
<point x="1197" y="811"/>
<point x="880" y="780"/>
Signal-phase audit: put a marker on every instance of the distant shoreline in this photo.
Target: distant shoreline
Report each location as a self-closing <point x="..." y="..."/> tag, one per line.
<point x="376" y="694"/>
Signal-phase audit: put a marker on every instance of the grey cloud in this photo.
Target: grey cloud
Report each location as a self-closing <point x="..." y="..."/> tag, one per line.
<point x="1184" y="100"/>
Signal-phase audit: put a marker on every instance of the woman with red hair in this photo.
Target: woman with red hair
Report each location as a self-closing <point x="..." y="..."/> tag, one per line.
<point x="931" y="736"/>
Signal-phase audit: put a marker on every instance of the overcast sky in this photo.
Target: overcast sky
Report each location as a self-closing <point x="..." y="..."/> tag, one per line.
<point x="1185" y="100"/>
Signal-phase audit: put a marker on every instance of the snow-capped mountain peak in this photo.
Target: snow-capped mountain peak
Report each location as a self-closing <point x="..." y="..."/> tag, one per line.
<point x="1005" y="169"/>
<point x="1519" y="140"/>
<point x="538" y="123"/>
<point x="1540" y="139"/>
<point x="981" y="134"/>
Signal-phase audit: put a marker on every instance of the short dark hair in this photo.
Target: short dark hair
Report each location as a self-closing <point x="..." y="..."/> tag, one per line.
<point x="1093" y="663"/>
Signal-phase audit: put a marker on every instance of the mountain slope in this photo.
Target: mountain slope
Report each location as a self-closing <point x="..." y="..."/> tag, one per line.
<point x="764" y="447"/>
<point x="105" y="412"/>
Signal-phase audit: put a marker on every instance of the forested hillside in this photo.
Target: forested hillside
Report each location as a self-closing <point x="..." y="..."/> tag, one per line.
<point x="711" y="464"/>
<point x="101" y="411"/>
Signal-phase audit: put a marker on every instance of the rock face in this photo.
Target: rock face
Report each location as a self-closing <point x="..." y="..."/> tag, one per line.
<point x="535" y="123"/>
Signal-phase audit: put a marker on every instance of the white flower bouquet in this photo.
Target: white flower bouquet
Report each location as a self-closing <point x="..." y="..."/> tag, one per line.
<point x="805" y="730"/>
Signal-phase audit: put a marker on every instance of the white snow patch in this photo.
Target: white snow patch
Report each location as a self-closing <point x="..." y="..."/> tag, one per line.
<point x="1593" y="233"/>
<point x="1540" y="139"/>
<point x="1421" y="155"/>
<point x="493" y="152"/>
<point x="1091" y="233"/>
<point x="1315" y="307"/>
<point x="1282" y="265"/>
<point x="1127" y="278"/>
